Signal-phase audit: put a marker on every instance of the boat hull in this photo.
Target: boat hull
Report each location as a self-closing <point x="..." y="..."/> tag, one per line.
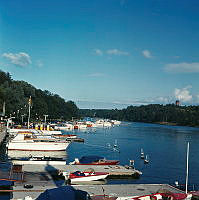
<point x="100" y="163"/>
<point x="38" y="162"/>
<point x="89" y="178"/>
<point x="37" y="146"/>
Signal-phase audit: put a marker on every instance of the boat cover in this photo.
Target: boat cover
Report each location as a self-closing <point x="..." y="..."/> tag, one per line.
<point x="63" y="193"/>
<point x="179" y="196"/>
<point x="90" y="159"/>
<point x="6" y="183"/>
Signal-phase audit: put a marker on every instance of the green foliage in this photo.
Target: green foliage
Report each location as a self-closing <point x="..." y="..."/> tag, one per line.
<point x="154" y="113"/>
<point x="17" y="93"/>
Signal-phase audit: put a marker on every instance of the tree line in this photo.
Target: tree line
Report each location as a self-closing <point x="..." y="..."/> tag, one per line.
<point x="16" y="95"/>
<point x="153" y="113"/>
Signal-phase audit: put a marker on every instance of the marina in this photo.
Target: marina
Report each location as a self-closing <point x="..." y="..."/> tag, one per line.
<point x="99" y="100"/>
<point x="33" y="174"/>
<point x="110" y="190"/>
<point x="115" y="171"/>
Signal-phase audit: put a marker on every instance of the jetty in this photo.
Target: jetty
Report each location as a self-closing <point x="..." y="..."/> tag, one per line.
<point x="119" y="190"/>
<point x="115" y="171"/>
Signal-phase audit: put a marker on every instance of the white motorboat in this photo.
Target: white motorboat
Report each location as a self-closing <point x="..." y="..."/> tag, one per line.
<point x="87" y="175"/>
<point x="15" y="131"/>
<point x="39" y="160"/>
<point x="155" y="196"/>
<point x="23" y="143"/>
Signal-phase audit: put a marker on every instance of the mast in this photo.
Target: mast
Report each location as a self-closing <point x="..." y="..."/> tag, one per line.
<point x="29" y="104"/>
<point x="187" y="173"/>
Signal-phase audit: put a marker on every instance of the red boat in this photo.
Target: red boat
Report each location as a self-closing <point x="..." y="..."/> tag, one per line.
<point x="87" y="175"/>
<point x="94" y="160"/>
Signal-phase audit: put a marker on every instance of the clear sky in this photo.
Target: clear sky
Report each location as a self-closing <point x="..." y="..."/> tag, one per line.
<point x="104" y="53"/>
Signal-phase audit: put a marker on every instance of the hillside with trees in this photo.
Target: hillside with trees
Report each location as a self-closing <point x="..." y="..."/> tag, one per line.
<point x="16" y="96"/>
<point x="153" y="113"/>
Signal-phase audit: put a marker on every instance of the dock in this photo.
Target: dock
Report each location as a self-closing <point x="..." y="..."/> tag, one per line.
<point x="115" y="171"/>
<point x="119" y="190"/>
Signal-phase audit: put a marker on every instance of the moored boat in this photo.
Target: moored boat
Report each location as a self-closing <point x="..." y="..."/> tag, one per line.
<point x="40" y="160"/>
<point x="21" y="143"/>
<point x="93" y="160"/>
<point x="87" y="175"/>
<point x="155" y="196"/>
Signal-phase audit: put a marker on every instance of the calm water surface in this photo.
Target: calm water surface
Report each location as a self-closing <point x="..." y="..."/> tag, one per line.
<point x="165" y="145"/>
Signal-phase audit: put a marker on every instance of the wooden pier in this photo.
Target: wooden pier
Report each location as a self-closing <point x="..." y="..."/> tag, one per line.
<point x="115" y="171"/>
<point x="119" y="190"/>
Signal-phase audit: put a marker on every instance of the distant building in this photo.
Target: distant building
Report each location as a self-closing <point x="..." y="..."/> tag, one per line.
<point x="177" y="102"/>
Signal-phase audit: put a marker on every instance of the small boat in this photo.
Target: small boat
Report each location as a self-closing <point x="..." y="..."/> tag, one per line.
<point x="142" y="154"/>
<point x="155" y="196"/>
<point x="29" y="143"/>
<point x="87" y="175"/>
<point x="40" y="160"/>
<point x="146" y="160"/>
<point x="67" y="136"/>
<point x="93" y="160"/>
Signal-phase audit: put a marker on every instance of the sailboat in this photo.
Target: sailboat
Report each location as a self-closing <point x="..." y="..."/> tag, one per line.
<point x="146" y="160"/>
<point x="142" y="154"/>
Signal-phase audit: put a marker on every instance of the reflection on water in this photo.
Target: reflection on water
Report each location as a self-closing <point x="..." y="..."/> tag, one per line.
<point x="165" y="145"/>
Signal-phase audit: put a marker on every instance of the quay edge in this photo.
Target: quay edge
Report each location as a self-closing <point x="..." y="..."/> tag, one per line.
<point x="120" y="190"/>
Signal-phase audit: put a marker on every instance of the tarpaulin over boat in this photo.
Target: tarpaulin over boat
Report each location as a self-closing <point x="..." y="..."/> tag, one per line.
<point x="90" y="159"/>
<point x="6" y="183"/>
<point x="64" y="193"/>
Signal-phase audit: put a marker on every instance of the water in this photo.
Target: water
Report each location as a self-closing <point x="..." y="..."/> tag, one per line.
<point x="165" y="145"/>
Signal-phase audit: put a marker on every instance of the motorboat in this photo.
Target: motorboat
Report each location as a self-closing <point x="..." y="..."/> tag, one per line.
<point x="156" y="196"/>
<point x="16" y="155"/>
<point x="64" y="127"/>
<point x="160" y="196"/>
<point x="23" y="143"/>
<point x="87" y="175"/>
<point x="93" y="160"/>
<point x="66" y="136"/>
<point x="15" y="131"/>
<point x="40" y="160"/>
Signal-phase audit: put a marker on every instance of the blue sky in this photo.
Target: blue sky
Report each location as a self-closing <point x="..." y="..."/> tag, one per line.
<point x="104" y="54"/>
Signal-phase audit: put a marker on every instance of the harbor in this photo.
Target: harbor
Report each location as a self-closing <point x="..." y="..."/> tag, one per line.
<point x="123" y="190"/>
<point x="33" y="172"/>
<point x="114" y="171"/>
